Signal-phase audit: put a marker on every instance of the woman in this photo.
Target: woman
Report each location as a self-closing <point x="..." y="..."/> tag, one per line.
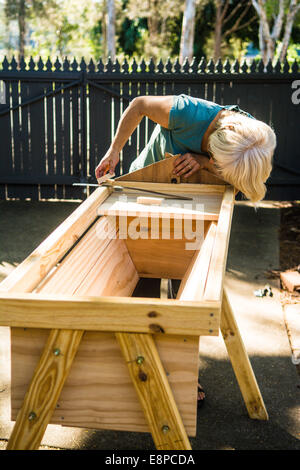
<point x="223" y="139"/>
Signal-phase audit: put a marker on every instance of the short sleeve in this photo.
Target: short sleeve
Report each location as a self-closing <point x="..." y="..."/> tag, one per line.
<point x="182" y="112"/>
<point x="187" y="111"/>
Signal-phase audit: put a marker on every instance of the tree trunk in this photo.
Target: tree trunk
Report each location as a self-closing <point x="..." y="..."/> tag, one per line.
<point x="288" y="28"/>
<point x="218" y="31"/>
<point x="110" y="29"/>
<point x="22" y="27"/>
<point x="188" y="31"/>
<point x="267" y="40"/>
<point x="103" y="28"/>
<point x="262" y="45"/>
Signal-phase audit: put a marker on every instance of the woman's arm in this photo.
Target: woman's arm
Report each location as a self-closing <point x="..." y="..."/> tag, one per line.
<point x="156" y="108"/>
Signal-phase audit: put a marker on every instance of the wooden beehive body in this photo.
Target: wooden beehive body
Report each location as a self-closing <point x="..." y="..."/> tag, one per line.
<point x="87" y="350"/>
<point x="98" y="392"/>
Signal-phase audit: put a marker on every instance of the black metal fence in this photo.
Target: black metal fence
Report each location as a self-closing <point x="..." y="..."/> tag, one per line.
<point x="57" y="120"/>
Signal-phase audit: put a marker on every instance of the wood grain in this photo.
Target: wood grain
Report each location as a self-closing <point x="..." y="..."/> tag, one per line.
<point x="98" y="392"/>
<point x="104" y="269"/>
<point x="241" y="363"/>
<point x="162" y="172"/>
<point x="34" y="268"/>
<point x="108" y="313"/>
<point x="61" y="347"/>
<point x="154" y="392"/>
<point x="44" y="390"/>
<point x="215" y="279"/>
<point x="165" y="250"/>
<point x="193" y="283"/>
<point x="202" y="206"/>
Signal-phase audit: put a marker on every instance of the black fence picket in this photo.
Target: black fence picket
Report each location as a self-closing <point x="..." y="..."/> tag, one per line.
<point x="57" y="119"/>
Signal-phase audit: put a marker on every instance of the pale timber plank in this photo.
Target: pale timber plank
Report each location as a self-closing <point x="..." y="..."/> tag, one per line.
<point x="79" y="400"/>
<point x="68" y="275"/>
<point x="165" y="248"/>
<point x="193" y="283"/>
<point x="137" y="314"/>
<point x="215" y="279"/>
<point x="182" y="188"/>
<point x="162" y="172"/>
<point x="202" y="206"/>
<point x="44" y="390"/>
<point x="154" y="391"/>
<point x="35" y="267"/>
<point x="99" y="393"/>
<point x="52" y="370"/>
<point x="241" y="363"/>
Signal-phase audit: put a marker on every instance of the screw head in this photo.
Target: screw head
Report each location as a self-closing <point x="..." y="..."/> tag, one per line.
<point x="56" y="352"/>
<point x="165" y="429"/>
<point x="31" y="416"/>
<point x="140" y="360"/>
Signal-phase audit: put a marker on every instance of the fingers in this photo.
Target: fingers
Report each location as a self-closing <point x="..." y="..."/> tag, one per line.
<point x="185" y="165"/>
<point x="191" y="172"/>
<point x="101" y="170"/>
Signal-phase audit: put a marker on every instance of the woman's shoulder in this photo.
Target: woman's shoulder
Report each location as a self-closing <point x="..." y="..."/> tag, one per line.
<point x="188" y="108"/>
<point x="182" y="101"/>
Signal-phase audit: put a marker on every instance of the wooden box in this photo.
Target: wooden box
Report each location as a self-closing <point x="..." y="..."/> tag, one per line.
<point x="82" y="347"/>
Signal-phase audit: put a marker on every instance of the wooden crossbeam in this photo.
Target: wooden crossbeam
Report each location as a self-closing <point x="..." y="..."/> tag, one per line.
<point x="109" y="314"/>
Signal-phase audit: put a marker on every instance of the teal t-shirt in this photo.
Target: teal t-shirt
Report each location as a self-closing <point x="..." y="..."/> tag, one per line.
<point x="189" y="119"/>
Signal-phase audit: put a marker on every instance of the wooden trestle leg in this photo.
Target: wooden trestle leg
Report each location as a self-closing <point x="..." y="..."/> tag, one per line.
<point x="241" y="363"/>
<point x="45" y="388"/>
<point x="154" y="392"/>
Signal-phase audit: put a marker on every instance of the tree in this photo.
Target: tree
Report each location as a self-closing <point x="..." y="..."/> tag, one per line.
<point x="291" y="15"/>
<point x="17" y="10"/>
<point x="157" y="14"/>
<point x="22" y="11"/>
<point x="188" y="31"/>
<point x="269" y="36"/>
<point x="229" y="21"/>
<point x="67" y="28"/>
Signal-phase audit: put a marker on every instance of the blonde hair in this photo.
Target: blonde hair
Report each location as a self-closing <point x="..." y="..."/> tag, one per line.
<point x="242" y="149"/>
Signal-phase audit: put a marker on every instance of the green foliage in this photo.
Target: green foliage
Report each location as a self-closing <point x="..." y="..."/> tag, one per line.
<point x="143" y="28"/>
<point x="292" y="52"/>
<point x="96" y="40"/>
<point x="131" y="36"/>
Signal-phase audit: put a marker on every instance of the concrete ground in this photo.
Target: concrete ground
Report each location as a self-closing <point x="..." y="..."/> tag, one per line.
<point x="223" y="422"/>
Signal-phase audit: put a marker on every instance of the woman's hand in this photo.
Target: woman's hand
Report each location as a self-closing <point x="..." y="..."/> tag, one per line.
<point x="108" y="163"/>
<point x="189" y="163"/>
